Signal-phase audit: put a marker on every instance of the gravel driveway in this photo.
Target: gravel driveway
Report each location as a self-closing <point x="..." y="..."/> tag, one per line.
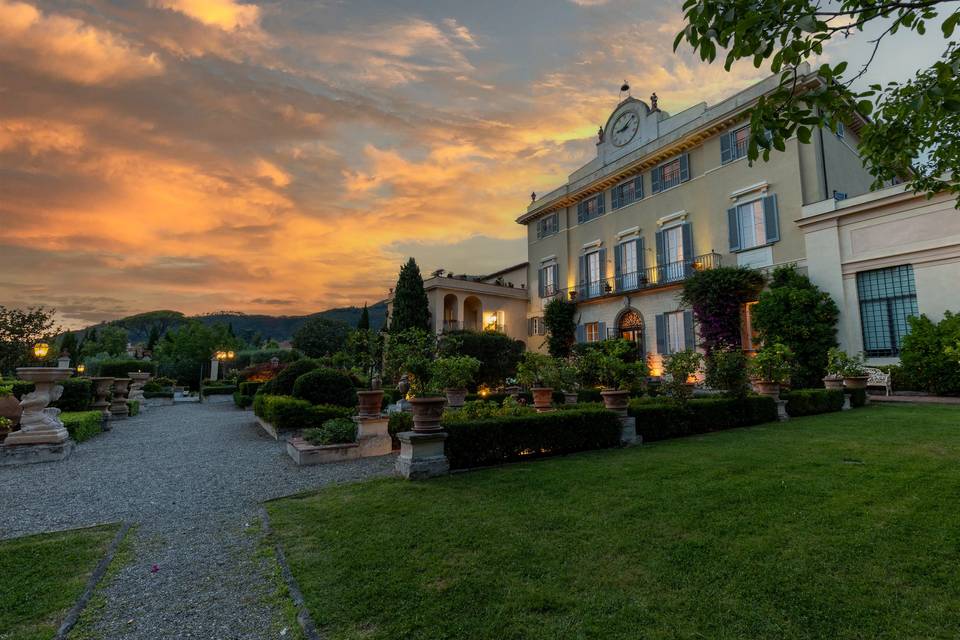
<point x="190" y="477"/>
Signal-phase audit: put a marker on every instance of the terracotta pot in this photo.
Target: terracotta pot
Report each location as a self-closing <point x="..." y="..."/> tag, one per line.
<point x="10" y="408"/>
<point x="569" y="398"/>
<point x="370" y="403"/>
<point x="616" y="400"/>
<point x="831" y="382"/>
<point x="542" y="398"/>
<point x="427" y="413"/>
<point x="855" y="382"/>
<point x="767" y="388"/>
<point x="456" y="398"/>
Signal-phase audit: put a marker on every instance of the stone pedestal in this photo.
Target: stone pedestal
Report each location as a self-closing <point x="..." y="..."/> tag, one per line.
<point x="373" y="436"/>
<point x="628" y="431"/>
<point x="118" y="404"/>
<point x="32" y="453"/>
<point x="101" y="394"/>
<point x="782" y="414"/>
<point x="40" y="424"/>
<point x="846" y="402"/>
<point x="139" y="379"/>
<point x="422" y="455"/>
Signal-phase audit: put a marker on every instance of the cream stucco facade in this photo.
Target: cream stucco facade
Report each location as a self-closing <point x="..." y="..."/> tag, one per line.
<point x="881" y="256"/>
<point x="679" y="195"/>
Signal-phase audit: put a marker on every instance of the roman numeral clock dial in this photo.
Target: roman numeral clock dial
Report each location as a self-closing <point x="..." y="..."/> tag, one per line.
<point x="625" y="128"/>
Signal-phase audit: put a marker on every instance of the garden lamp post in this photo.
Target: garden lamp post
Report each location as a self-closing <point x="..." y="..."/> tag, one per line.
<point x="81" y="368"/>
<point x="40" y="350"/>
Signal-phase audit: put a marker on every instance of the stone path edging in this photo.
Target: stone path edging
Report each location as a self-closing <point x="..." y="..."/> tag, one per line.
<point x="101" y="569"/>
<point x="303" y="614"/>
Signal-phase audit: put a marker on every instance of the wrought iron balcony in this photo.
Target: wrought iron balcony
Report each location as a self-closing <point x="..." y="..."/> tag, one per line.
<point x="661" y="275"/>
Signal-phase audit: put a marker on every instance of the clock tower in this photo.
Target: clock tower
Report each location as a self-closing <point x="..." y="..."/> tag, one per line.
<point x="631" y="125"/>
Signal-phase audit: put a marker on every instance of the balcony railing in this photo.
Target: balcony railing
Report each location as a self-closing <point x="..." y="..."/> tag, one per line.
<point x="661" y="275"/>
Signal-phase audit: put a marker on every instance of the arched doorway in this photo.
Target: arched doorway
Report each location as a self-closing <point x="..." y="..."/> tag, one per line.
<point x="472" y="314"/>
<point x="630" y="327"/>
<point x="450" y="320"/>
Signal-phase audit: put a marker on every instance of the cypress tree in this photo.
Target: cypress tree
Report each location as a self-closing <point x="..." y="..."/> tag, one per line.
<point x="411" y="310"/>
<point x="364" y="321"/>
<point x="154" y="338"/>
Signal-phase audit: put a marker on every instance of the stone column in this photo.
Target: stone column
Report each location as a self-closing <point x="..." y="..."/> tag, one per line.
<point x="422" y="452"/>
<point x="136" y="387"/>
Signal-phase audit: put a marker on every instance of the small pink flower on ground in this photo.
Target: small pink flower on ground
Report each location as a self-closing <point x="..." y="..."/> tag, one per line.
<point x="154" y="568"/>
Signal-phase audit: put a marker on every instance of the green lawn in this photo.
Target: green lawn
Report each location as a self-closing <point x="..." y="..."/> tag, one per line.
<point x="844" y="525"/>
<point x="42" y="576"/>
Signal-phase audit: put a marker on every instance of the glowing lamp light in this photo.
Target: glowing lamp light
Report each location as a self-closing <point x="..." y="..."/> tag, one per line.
<point x="41" y="349"/>
<point x="230" y="355"/>
<point x="81" y="368"/>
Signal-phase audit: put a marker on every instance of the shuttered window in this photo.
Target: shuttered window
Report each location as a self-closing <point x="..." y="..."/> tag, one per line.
<point x="754" y="224"/>
<point x="670" y="174"/>
<point x="627" y="192"/>
<point x="590" y="208"/>
<point x="548" y="226"/>
<point x="675" y="332"/>
<point x="734" y="144"/>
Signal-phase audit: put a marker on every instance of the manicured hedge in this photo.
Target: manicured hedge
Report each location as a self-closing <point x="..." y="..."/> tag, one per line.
<point x="325" y="386"/>
<point x="77" y="395"/>
<point x="282" y="384"/>
<point x="497" y="440"/>
<point x="659" y="420"/>
<point x="500" y="397"/>
<point x="82" y="425"/>
<point x="218" y="390"/>
<point x="241" y="400"/>
<point x="122" y="368"/>
<point x="809" y="402"/>
<point x="288" y="414"/>
<point x="249" y="388"/>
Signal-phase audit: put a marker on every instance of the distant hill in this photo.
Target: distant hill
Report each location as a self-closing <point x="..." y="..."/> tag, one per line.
<point x="244" y="325"/>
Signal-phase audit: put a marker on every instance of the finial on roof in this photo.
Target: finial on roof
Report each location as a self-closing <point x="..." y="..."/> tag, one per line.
<point x="533" y="196"/>
<point x="600" y="134"/>
<point x="653" y="102"/>
<point x="625" y="89"/>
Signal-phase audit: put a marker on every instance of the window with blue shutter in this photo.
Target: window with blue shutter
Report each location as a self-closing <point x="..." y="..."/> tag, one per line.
<point x="662" y="334"/>
<point x="726" y="153"/>
<point x="581" y="333"/>
<point x="771" y="218"/>
<point x="734" y="144"/>
<point x="754" y="224"/>
<point x="689" y="336"/>
<point x="684" y="167"/>
<point x="548" y="226"/>
<point x="670" y="174"/>
<point x="656" y="178"/>
<point x="627" y="192"/>
<point x="590" y="208"/>
<point x="582" y="276"/>
<point x="733" y="222"/>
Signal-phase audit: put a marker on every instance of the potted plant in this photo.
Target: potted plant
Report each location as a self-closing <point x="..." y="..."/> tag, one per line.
<point x="563" y="376"/>
<point x="618" y="378"/>
<point x="371" y="400"/>
<point x="836" y="360"/>
<point x="426" y="404"/>
<point x="770" y="368"/>
<point x="854" y="374"/>
<point x="533" y="369"/>
<point x="454" y="374"/>
<point x="679" y="370"/>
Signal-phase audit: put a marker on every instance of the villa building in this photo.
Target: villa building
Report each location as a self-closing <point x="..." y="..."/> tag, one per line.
<point x="665" y="196"/>
<point x="884" y="256"/>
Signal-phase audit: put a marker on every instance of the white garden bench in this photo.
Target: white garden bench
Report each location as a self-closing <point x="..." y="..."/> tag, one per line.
<point x="877" y="378"/>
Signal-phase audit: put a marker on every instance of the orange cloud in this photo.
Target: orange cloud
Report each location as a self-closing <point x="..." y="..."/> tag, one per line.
<point x="224" y="14"/>
<point x="67" y="48"/>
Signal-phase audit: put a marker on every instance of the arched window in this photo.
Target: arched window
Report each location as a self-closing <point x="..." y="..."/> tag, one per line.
<point x="630" y="327"/>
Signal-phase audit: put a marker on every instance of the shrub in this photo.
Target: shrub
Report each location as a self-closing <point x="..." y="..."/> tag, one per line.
<point x="498" y="354"/>
<point x="796" y="313"/>
<point x="249" y="388"/>
<point x="679" y="367"/>
<point x="772" y="363"/>
<point x="82" y="425"/>
<point x="455" y="372"/>
<point x="218" y="390"/>
<point x="134" y="407"/>
<point x="659" y="420"/>
<point x="726" y="369"/>
<point x="858" y="398"/>
<point x="558" y="316"/>
<point x="398" y="423"/>
<point x="809" y="402"/>
<point x="924" y="357"/>
<point x="506" y="439"/>
<point x="249" y="357"/>
<point x="20" y="388"/>
<point x="482" y="409"/>
<point x="284" y="381"/>
<point x="334" y="431"/>
<point x="325" y="386"/>
<point x="288" y="414"/>
<point x="77" y="394"/>
<point x="716" y="295"/>
<point x="242" y="401"/>
<point x="121" y="368"/>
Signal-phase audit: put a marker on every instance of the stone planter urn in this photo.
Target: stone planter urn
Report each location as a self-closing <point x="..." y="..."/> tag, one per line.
<point x="767" y="388"/>
<point x="512" y="390"/>
<point x="616" y="400"/>
<point x="456" y="398"/>
<point x="40" y="424"/>
<point x="118" y="404"/>
<point x="855" y="382"/>
<point x="542" y="398"/>
<point x="833" y="382"/>
<point x="101" y="394"/>
<point x="139" y="379"/>
<point x="569" y="397"/>
<point x="427" y="412"/>
<point x="370" y="403"/>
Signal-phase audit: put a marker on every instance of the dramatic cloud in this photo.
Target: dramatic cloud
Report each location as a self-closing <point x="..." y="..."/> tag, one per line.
<point x="287" y="156"/>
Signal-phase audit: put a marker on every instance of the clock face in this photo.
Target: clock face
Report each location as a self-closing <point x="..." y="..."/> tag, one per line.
<point x="625" y="128"/>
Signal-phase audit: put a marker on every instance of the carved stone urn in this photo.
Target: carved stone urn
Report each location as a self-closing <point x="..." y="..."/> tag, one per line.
<point x="118" y="404"/>
<point x="139" y="378"/>
<point x="40" y="423"/>
<point x="101" y="394"/>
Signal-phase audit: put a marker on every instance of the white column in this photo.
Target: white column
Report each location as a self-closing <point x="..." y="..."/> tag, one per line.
<point x="214" y="369"/>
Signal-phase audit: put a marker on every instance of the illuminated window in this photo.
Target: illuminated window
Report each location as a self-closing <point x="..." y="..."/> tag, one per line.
<point x="675" y="332"/>
<point x="670" y="174"/>
<point x="592" y="330"/>
<point x="749" y="337"/>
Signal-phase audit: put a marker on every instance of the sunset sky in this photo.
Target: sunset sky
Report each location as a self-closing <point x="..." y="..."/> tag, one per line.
<point x="284" y="157"/>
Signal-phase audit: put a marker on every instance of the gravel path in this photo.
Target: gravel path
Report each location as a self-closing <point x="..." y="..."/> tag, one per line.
<point x="191" y="478"/>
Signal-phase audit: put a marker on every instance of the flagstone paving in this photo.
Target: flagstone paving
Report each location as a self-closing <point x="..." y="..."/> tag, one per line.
<point x="190" y="477"/>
